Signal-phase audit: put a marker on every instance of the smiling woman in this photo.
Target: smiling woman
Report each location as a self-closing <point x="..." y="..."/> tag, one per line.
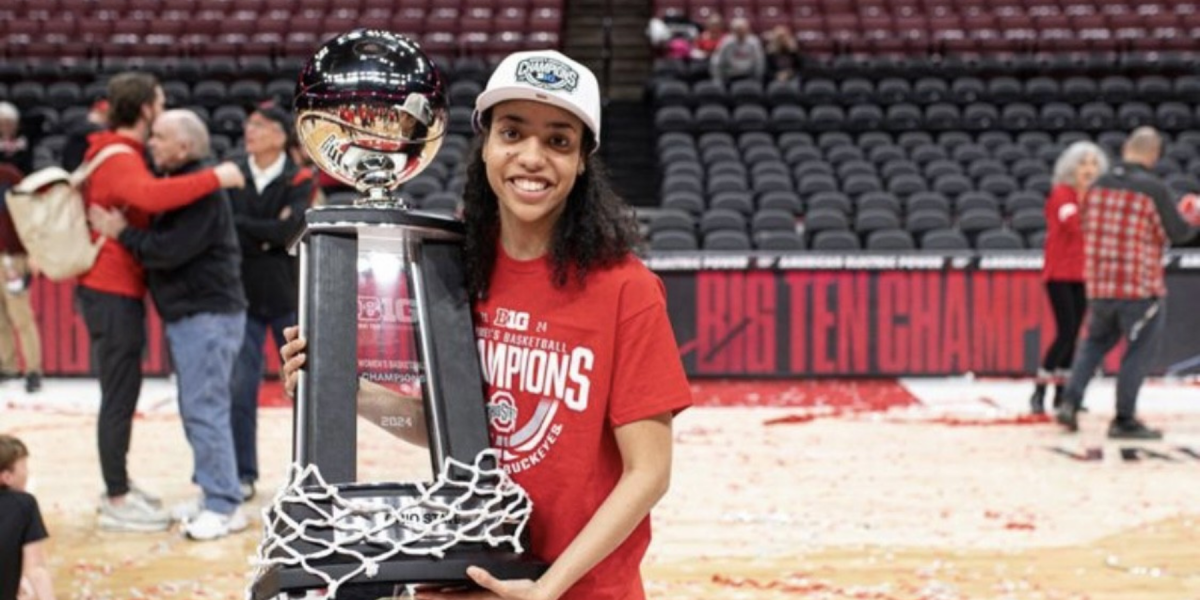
<point x="582" y="374"/>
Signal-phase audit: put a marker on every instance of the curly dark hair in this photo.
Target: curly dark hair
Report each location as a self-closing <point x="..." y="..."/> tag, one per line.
<point x="596" y="228"/>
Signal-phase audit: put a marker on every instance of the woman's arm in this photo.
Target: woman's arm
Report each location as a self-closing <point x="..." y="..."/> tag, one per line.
<point x="645" y="448"/>
<point x="401" y="416"/>
<point x="33" y="568"/>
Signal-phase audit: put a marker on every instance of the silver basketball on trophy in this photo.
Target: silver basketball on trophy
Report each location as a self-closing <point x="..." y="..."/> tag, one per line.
<point x="371" y="111"/>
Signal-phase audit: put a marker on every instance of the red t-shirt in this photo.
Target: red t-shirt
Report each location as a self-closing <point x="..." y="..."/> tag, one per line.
<point x="1063" y="254"/>
<point x="563" y="368"/>
<point x="125" y="182"/>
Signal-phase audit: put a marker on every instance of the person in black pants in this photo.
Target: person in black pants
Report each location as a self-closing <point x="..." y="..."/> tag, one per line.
<point x="1062" y="267"/>
<point x="267" y="213"/>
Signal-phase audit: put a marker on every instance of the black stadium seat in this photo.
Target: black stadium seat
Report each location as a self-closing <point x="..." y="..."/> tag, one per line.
<point x="890" y="240"/>
<point x="725" y="239"/>
<point x="746" y="91"/>
<point x="718" y="219"/>
<point x="712" y="117"/>
<point x="673" y="118"/>
<point x="778" y="241"/>
<point x="944" y="239"/>
<point x="749" y="118"/>
<point x="835" y="240"/>
<point x="786" y="118"/>
<point x="999" y="239"/>
<point x="927" y="219"/>
<point x="788" y="201"/>
<point x="673" y="240"/>
<point x="670" y="219"/>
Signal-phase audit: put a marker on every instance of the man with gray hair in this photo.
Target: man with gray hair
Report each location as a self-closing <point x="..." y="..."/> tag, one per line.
<point x="739" y="56"/>
<point x="192" y="261"/>
<point x="1128" y="218"/>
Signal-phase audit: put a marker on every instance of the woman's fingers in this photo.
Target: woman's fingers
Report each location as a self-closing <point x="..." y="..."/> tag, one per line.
<point x="293" y="360"/>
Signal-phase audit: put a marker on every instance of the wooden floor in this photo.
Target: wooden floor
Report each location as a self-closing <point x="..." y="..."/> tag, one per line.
<point x="933" y="489"/>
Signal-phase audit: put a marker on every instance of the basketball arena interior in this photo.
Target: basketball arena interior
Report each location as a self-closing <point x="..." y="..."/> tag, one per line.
<point x="851" y="243"/>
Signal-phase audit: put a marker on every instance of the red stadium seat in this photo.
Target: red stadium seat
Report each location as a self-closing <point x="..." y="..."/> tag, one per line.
<point x="185" y="6"/>
<point x="109" y="6"/>
<point x="93" y="31"/>
<point x="129" y="27"/>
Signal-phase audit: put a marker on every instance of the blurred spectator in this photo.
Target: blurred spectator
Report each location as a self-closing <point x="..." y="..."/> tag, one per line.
<point x="1128" y="219"/>
<point x="1074" y="173"/>
<point x="78" y="132"/>
<point x="24" y="572"/>
<point x="679" y="47"/>
<point x="16" y="312"/>
<point x="707" y="42"/>
<point x="191" y="259"/>
<point x="267" y="214"/>
<point x="303" y="161"/>
<point x="14" y="147"/>
<point x="783" y="54"/>
<point x="672" y="25"/>
<point x="17" y="325"/>
<point x="110" y="295"/>
<point x="740" y="55"/>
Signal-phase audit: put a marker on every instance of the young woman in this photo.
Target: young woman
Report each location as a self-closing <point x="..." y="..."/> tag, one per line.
<point x="547" y="239"/>
<point x="1074" y="172"/>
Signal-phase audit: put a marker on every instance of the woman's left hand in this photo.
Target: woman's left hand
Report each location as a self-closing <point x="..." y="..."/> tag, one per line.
<point x="493" y="589"/>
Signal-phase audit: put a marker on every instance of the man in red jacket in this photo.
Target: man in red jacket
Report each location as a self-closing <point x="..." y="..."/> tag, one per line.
<point x="110" y="295"/>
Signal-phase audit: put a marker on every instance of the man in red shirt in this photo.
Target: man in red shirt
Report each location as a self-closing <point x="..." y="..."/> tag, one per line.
<point x="110" y="294"/>
<point x="1128" y="218"/>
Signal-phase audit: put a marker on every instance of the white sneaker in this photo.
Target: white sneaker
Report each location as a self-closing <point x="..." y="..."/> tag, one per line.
<point x="134" y="490"/>
<point x="209" y="525"/>
<point x="150" y="499"/>
<point x="188" y="510"/>
<point x="134" y="514"/>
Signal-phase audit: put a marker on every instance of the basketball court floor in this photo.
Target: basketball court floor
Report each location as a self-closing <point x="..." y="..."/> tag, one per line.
<point x="924" y="489"/>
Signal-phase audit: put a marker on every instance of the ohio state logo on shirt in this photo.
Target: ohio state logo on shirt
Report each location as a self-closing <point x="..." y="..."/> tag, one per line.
<point x="502" y="412"/>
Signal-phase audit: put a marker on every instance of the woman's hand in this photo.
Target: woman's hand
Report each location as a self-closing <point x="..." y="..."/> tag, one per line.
<point x="293" y="359"/>
<point x="493" y="589"/>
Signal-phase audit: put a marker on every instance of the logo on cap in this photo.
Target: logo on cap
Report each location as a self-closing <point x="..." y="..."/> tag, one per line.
<point x="548" y="74"/>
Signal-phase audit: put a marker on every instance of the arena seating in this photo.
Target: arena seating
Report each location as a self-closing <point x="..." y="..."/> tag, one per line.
<point x="892" y="163"/>
<point x="964" y="26"/>
<point x="52" y="29"/>
<point x="221" y="57"/>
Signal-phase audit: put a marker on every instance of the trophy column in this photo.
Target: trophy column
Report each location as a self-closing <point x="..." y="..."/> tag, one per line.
<point x="384" y="304"/>
<point x="429" y="255"/>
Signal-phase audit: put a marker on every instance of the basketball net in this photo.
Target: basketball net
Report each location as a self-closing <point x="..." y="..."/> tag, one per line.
<point x="463" y="504"/>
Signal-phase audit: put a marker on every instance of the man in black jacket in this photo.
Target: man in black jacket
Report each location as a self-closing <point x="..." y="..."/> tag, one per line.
<point x="192" y="264"/>
<point x="268" y="213"/>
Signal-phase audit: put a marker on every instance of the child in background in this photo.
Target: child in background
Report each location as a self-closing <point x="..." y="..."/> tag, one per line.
<point x="22" y="533"/>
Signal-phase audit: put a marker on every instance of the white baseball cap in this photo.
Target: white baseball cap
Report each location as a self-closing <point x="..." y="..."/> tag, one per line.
<point x="544" y="76"/>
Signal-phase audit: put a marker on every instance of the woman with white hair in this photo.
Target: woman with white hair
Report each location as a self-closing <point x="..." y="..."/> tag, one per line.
<point x="14" y="147"/>
<point x="1074" y="172"/>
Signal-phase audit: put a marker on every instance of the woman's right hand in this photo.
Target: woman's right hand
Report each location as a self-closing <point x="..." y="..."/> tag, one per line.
<point x="293" y="359"/>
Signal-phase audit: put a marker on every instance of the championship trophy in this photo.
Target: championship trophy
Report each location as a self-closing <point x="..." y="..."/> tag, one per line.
<point x="392" y="361"/>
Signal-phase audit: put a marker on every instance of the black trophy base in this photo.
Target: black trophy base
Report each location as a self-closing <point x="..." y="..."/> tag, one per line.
<point x="295" y="582"/>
